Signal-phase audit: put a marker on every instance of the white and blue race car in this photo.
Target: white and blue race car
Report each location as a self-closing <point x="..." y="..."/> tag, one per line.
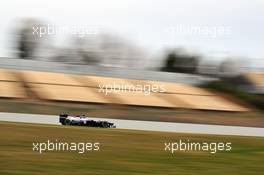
<point x="66" y="119"/>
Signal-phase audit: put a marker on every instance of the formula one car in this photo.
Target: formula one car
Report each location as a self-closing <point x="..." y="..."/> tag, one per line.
<point x="66" y="119"/>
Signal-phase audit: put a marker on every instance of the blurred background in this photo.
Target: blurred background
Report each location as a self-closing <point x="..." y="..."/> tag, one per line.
<point x="60" y="52"/>
<point x="202" y="35"/>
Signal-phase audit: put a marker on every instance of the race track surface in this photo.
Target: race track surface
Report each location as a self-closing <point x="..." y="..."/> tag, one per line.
<point x="144" y="125"/>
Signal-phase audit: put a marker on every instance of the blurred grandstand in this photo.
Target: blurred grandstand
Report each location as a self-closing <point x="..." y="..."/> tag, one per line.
<point x="253" y="82"/>
<point x="59" y="82"/>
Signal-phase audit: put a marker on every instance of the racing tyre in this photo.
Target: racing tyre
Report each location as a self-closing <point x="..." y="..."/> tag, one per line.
<point x="67" y="122"/>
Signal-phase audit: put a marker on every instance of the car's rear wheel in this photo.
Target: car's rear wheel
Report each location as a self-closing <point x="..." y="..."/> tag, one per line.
<point x="67" y="122"/>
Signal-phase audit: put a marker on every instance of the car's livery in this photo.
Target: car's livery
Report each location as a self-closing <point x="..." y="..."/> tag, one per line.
<point x="66" y="119"/>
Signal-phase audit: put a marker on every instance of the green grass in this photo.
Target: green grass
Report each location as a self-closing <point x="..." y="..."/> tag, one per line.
<point x="122" y="152"/>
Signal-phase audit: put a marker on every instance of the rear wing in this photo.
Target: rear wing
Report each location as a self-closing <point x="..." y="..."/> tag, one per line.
<point x="63" y="118"/>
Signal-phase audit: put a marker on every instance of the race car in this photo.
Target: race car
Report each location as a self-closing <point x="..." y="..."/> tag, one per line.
<point x="66" y="119"/>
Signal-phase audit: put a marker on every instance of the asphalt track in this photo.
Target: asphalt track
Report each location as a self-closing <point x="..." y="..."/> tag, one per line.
<point x="144" y="125"/>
